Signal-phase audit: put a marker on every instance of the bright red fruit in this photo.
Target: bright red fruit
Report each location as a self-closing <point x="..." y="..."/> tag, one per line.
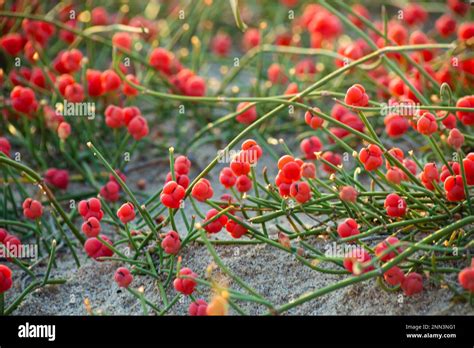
<point x="394" y="276"/>
<point x="171" y="243"/>
<point x="311" y="145"/>
<point x="348" y="194"/>
<point x="466" y="117"/>
<point x="172" y="195"/>
<point x="221" y="44"/>
<point x="468" y="164"/>
<point x="395" y="205"/>
<point x="5" y="146"/>
<point x="454" y="187"/>
<point x="138" y="127"/>
<point x="126" y="212"/>
<point x="12" y="43"/>
<point x="313" y="121"/>
<point x="23" y="99"/>
<point x="5" y="278"/>
<point x="276" y="74"/>
<point x="455" y="139"/>
<point x="248" y="116"/>
<point x="347" y="228"/>
<point x="110" y="191"/>
<point x="32" y="209"/>
<point x="202" y="190"/>
<point x="185" y="286"/>
<point x="300" y="191"/>
<point x="110" y="81"/>
<point x="357" y="257"/>
<point x="427" y="124"/>
<point x="90" y="208"/>
<point x="412" y="284"/>
<point x="446" y="25"/>
<point x="57" y="177"/>
<point x="243" y="183"/>
<point x="198" y="308"/>
<point x="371" y="157"/>
<point x="356" y="96"/>
<point x="123" y="277"/>
<point x="235" y="229"/>
<point x="216" y="225"/>
<point x="95" y="248"/>
<point x="91" y="227"/>
<point x="182" y="165"/>
<point x="382" y="249"/>
<point x="466" y="278"/>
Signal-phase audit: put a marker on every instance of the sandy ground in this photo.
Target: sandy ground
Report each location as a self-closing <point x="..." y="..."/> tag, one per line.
<point x="275" y="274"/>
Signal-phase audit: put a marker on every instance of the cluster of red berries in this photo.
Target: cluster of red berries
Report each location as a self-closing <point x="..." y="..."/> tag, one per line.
<point x="129" y="117"/>
<point x="10" y="242"/>
<point x="174" y="191"/>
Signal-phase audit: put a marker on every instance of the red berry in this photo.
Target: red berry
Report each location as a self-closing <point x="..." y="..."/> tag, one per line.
<point x="311" y="145"/>
<point x="348" y="194"/>
<point x="128" y="90"/>
<point x="91" y="227"/>
<point x="455" y="139"/>
<point x="64" y="130"/>
<point x="454" y="187"/>
<point x="181" y="179"/>
<point x="195" y="87"/>
<point x="12" y="43"/>
<point x="248" y="116"/>
<point x="126" y="212"/>
<point x="185" y="286"/>
<point x="5" y="278"/>
<point x="57" y="177"/>
<point x="198" y="308"/>
<point x="216" y="225"/>
<point x="347" y="228"/>
<point x="74" y="93"/>
<point x="356" y="96"/>
<point x="182" y="165"/>
<point x="235" y="229"/>
<point x="110" y="191"/>
<point x="23" y="99"/>
<point x="202" y="190"/>
<point x="276" y="74"/>
<point x="95" y="248"/>
<point x="90" y="208"/>
<point x="138" y="127"/>
<point x="466" y="31"/>
<point x="394" y="175"/>
<point x="243" y="183"/>
<point x="308" y="170"/>
<point x="466" y="117"/>
<point x="394" y="276"/>
<point x="122" y="40"/>
<point x="172" y="195"/>
<point x="412" y="284"/>
<point x="427" y="124"/>
<point x="110" y="81"/>
<point x="250" y="39"/>
<point x="123" y="277"/>
<point x="466" y="278"/>
<point x="161" y="59"/>
<point x="227" y="177"/>
<point x="221" y="44"/>
<point x="458" y="6"/>
<point x="468" y="164"/>
<point x="114" y="117"/>
<point x="99" y="16"/>
<point x="382" y="249"/>
<point x="446" y="25"/>
<point x="239" y="166"/>
<point x="357" y="257"/>
<point x="94" y="83"/>
<point x="313" y="121"/>
<point x="300" y="191"/>
<point x="32" y="209"/>
<point x="415" y="14"/>
<point x="171" y="243"/>
<point x="333" y="158"/>
<point x="395" y="205"/>
<point x="371" y="157"/>
<point x="396" y="125"/>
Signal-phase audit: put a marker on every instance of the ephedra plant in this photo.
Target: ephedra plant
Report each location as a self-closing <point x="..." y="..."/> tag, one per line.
<point x="381" y="107"/>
